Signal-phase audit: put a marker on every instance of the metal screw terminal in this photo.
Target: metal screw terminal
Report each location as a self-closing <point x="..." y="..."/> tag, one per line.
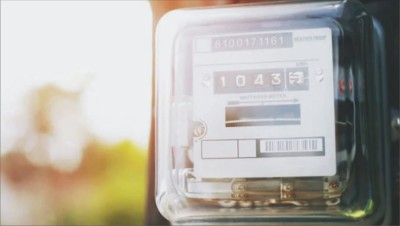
<point x="333" y="185"/>
<point x="239" y="187"/>
<point x="287" y="187"/>
<point x="287" y="195"/>
<point x="239" y="196"/>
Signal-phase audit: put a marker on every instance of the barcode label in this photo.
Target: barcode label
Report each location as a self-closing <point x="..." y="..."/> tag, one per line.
<point x="292" y="145"/>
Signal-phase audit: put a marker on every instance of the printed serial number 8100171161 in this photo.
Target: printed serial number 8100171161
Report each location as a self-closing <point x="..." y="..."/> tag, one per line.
<point x="256" y="41"/>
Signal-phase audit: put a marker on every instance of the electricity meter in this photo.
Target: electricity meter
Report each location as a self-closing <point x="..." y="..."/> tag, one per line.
<point x="270" y="113"/>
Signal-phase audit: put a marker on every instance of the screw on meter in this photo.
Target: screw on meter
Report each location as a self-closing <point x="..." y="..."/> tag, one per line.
<point x="267" y="101"/>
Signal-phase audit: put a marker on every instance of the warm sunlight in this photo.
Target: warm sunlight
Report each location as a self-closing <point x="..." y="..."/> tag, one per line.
<point x="102" y="48"/>
<point x="75" y="111"/>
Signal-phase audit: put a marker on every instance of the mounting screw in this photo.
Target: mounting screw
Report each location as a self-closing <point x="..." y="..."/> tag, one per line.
<point x="287" y="187"/>
<point x="199" y="129"/>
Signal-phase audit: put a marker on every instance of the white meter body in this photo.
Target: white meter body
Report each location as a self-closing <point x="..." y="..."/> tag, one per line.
<point x="266" y="100"/>
<point x="263" y="114"/>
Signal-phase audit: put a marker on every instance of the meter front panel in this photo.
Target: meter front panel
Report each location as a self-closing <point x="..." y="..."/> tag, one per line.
<point x="270" y="112"/>
<point x="265" y="102"/>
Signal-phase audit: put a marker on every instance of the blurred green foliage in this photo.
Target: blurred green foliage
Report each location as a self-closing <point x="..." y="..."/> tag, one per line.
<point x="109" y="187"/>
<point x="116" y="177"/>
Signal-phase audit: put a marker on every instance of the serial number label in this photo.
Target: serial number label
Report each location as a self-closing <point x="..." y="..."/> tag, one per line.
<point x="253" y="41"/>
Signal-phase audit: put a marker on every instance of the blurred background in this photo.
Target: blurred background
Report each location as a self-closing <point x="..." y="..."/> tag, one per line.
<point x="77" y="141"/>
<point x="75" y="111"/>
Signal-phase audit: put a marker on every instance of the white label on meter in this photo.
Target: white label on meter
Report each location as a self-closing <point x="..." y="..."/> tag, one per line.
<point x="266" y="100"/>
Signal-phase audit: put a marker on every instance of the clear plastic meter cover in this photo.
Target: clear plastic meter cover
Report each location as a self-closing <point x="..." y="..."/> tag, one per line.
<point x="264" y="115"/>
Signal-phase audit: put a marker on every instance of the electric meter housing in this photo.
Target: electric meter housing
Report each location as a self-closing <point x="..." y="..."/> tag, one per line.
<point x="269" y="112"/>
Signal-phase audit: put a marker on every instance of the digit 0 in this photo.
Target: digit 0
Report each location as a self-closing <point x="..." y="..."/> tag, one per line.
<point x="240" y="80"/>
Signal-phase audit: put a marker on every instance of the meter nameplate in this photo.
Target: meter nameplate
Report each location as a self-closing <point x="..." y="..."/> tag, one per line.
<point x="266" y="100"/>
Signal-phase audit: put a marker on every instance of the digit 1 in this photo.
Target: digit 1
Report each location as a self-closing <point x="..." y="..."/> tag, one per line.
<point x="281" y="39"/>
<point x="223" y="82"/>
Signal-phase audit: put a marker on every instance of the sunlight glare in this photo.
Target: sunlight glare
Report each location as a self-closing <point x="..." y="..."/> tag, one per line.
<point x="99" y="48"/>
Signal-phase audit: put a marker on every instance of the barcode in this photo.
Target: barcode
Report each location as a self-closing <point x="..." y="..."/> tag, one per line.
<point x="292" y="145"/>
